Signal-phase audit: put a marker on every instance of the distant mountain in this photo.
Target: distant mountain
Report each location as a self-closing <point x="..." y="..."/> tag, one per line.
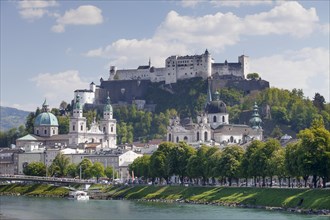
<point x="11" y="118"/>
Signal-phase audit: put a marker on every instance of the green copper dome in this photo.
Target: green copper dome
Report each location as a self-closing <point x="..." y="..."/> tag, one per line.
<point x="77" y="105"/>
<point x="108" y="107"/>
<point x="46" y="118"/>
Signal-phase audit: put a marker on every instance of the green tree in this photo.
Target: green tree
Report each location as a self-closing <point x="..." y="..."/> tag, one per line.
<point x="252" y="76"/>
<point x="160" y="162"/>
<point x="275" y="165"/>
<point x="199" y="165"/>
<point x="63" y="124"/>
<point x="85" y="165"/>
<point x="179" y="156"/>
<point x="29" y="123"/>
<point x="277" y="132"/>
<point x="315" y="143"/>
<point x="229" y="163"/>
<point x="97" y="170"/>
<point x="110" y="173"/>
<point x="291" y="163"/>
<point x="318" y="101"/>
<point x="59" y="166"/>
<point x="141" y="166"/>
<point x="35" y="169"/>
<point x="253" y="164"/>
<point x="72" y="170"/>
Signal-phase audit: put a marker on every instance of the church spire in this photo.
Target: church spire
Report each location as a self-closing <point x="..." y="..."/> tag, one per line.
<point x="45" y="106"/>
<point x="255" y="120"/>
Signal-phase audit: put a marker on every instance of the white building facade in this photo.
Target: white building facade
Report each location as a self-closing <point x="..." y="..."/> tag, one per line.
<point x="213" y="128"/>
<point x="103" y="132"/>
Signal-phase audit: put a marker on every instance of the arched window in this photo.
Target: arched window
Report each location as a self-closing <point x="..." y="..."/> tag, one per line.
<point x="185" y="138"/>
<point x="73" y="128"/>
<point x="169" y="137"/>
<point x="45" y="131"/>
<point x="177" y="139"/>
<point x="205" y="136"/>
<point x="53" y="131"/>
<point x="111" y="129"/>
<point x="103" y="129"/>
<point x="37" y="131"/>
<point x="81" y="128"/>
<point x="231" y="139"/>
<point x="197" y="136"/>
<point x="214" y="118"/>
<point x="223" y="118"/>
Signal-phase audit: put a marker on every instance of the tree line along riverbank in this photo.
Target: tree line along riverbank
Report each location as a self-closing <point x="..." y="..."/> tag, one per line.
<point x="315" y="201"/>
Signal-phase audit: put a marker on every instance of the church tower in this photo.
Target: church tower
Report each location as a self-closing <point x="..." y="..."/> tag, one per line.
<point x="77" y="124"/>
<point x="255" y="120"/>
<point x="108" y="126"/>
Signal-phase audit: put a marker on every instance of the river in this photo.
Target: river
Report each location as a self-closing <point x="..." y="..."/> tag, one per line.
<point x="12" y="207"/>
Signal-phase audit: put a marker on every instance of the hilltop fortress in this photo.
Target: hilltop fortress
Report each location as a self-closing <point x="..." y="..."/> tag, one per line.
<point x="183" y="67"/>
<point x="130" y="86"/>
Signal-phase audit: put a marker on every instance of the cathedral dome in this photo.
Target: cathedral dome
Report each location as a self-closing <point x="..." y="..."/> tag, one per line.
<point x="216" y="107"/>
<point x="46" y="118"/>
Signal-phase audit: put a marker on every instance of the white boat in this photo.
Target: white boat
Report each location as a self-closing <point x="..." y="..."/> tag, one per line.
<point x="78" y="195"/>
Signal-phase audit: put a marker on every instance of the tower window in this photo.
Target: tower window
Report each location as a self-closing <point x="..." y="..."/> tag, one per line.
<point x="53" y="131"/>
<point x="214" y="118"/>
<point x="223" y="118"/>
<point x="205" y="136"/>
<point x="169" y="137"/>
<point x="111" y="129"/>
<point x="45" y="131"/>
<point x="197" y="136"/>
<point x="73" y="128"/>
<point x="81" y="128"/>
<point x="103" y="129"/>
<point x="177" y="139"/>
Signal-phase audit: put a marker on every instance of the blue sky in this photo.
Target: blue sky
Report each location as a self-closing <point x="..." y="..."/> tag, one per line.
<point x="50" y="48"/>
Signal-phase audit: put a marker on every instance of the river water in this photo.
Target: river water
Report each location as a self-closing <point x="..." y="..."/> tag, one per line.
<point x="22" y="207"/>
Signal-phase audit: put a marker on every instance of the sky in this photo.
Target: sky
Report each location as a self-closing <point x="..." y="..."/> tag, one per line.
<point x="51" y="48"/>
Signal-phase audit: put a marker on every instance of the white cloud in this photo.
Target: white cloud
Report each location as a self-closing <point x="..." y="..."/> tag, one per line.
<point x="35" y="9"/>
<point x="94" y="53"/>
<point x="239" y="3"/>
<point x="181" y="35"/>
<point x="83" y="15"/>
<point x="287" y="18"/>
<point x="306" y="69"/>
<point x="57" y="87"/>
<point x="225" y="3"/>
<point x="190" y="3"/>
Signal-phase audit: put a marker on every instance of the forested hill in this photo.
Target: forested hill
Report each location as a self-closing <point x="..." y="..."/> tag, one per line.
<point x="11" y="118"/>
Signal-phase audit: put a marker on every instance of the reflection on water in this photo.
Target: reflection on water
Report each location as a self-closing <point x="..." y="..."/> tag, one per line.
<point x="53" y="208"/>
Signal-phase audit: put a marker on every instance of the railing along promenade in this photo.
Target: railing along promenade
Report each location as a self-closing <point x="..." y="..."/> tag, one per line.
<point x="39" y="179"/>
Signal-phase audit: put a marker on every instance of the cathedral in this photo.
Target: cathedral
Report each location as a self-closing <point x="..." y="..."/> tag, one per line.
<point x="212" y="127"/>
<point x="101" y="135"/>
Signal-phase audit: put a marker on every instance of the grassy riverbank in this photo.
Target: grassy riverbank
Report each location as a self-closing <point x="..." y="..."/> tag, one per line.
<point x="316" y="199"/>
<point x="273" y="197"/>
<point x="34" y="190"/>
